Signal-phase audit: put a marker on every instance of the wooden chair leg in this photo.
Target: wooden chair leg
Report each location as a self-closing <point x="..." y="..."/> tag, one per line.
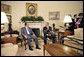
<point x="21" y="42"/>
<point x="25" y="45"/>
<point x="44" y="50"/>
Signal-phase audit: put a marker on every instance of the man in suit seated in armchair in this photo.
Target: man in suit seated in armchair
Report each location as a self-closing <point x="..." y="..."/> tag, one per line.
<point x="47" y="33"/>
<point x="28" y="34"/>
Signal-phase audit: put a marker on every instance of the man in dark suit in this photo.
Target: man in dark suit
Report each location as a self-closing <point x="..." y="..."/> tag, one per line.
<point x="80" y="21"/>
<point x="74" y="20"/>
<point x="47" y="33"/>
<point x="27" y="33"/>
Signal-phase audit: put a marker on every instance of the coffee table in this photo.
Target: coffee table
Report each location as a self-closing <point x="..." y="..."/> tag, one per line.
<point x="59" y="50"/>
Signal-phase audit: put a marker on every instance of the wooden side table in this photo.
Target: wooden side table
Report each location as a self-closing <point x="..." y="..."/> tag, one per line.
<point x="66" y="33"/>
<point x="9" y="40"/>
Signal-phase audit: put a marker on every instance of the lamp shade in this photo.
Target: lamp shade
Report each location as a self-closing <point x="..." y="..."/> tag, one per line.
<point x="67" y="19"/>
<point x="4" y="18"/>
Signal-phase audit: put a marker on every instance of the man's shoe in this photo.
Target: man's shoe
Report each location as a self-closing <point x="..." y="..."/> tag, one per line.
<point x="30" y="48"/>
<point x="37" y="47"/>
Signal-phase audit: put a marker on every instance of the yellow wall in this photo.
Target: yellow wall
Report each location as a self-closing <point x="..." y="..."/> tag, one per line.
<point x="44" y="7"/>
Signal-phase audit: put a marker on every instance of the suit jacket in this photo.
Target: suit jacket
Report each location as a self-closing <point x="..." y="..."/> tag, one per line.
<point x="74" y="23"/>
<point x="81" y="23"/>
<point x="46" y="31"/>
<point x="24" y="31"/>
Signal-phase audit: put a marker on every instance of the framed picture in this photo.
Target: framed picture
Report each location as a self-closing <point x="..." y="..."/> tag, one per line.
<point x="31" y="9"/>
<point x="9" y="18"/>
<point x="54" y="15"/>
<point x="6" y="8"/>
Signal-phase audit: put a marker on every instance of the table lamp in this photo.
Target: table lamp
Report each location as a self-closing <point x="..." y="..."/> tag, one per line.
<point x="4" y="20"/>
<point x="67" y="20"/>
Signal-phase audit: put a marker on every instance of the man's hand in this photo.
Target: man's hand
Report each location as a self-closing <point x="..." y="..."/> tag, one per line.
<point x="34" y="35"/>
<point x="49" y="34"/>
<point x="25" y="37"/>
<point x="77" y="23"/>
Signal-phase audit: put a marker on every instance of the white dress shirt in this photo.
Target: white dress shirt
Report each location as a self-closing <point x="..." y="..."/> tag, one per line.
<point x="47" y="27"/>
<point x="27" y="30"/>
<point x="75" y="20"/>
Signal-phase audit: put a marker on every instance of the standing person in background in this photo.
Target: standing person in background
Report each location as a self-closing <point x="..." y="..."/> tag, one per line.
<point x="80" y="21"/>
<point x="74" y="21"/>
<point x="54" y="27"/>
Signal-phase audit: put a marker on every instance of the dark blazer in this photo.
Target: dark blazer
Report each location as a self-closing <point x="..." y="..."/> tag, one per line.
<point x="74" y="23"/>
<point x="46" y="31"/>
<point x="81" y="23"/>
<point x="74" y="20"/>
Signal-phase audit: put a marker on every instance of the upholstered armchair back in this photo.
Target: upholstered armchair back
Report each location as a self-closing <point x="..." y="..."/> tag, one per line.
<point x="78" y="33"/>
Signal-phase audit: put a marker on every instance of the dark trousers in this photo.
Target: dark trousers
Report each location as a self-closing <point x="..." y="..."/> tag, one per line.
<point x="52" y="37"/>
